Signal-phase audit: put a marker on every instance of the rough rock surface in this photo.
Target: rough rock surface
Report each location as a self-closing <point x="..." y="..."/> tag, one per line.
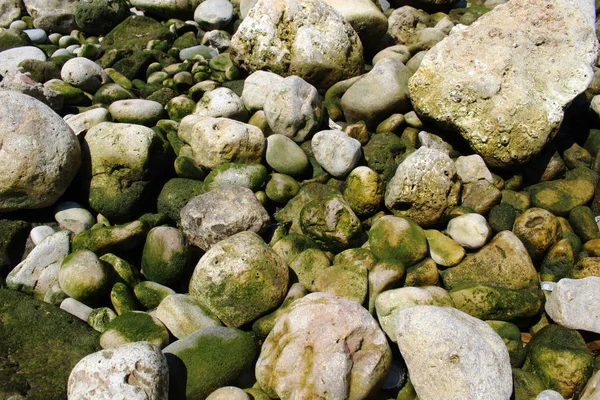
<point x="486" y="81"/>
<point x="573" y="303"/>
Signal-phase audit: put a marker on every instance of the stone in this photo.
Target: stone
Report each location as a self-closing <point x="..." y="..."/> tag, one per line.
<point x="175" y="194"/>
<point x="383" y="153"/>
<point x="307" y="39"/>
<point x="215" y="141"/>
<point x="346" y="343"/>
<point x="41" y="154"/>
<point x="377" y="94"/>
<point x="404" y="21"/>
<point x="221" y="102"/>
<point x="133" y="371"/>
<point x="364" y="191"/>
<point x="167" y="8"/>
<point x="136" y="111"/>
<point x="134" y="33"/>
<point x="365" y="17"/>
<point x="251" y="176"/>
<point x="549" y="395"/>
<point x="348" y="280"/>
<point x="85" y="278"/>
<point x="285" y="156"/>
<point x="39" y="346"/>
<point x="538" y="230"/>
<point x="76" y="308"/>
<point x="573" y="302"/>
<point x="336" y="152"/>
<point x="39" y="233"/>
<point x="494" y="63"/>
<point x="281" y="188"/>
<point x="447" y="351"/>
<point x="240" y="279"/>
<point x="213" y="14"/>
<point x="98" y="17"/>
<point x="420" y="189"/>
<point x="220" y="213"/>
<point x="229" y="393"/>
<point x="11" y="38"/>
<point x="472" y="169"/>
<point x="11" y="11"/>
<point x="293" y="108"/>
<point x="208" y="359"/>
<point x="26" y="84"/>
<point x="73" y="217"/>
<point x="558" y="262"/>
<point x="83" y="74"/>
<point x="444" y="250"/>
<point x="151" y="294"/>
<point x="106" y="239"/>
<point x="470" y="230"/>
<point x="183" y="315"/>
<point x="256" y="88"/>
<point x="511" y="335"/>
<point x="390" y="302"/>
<point x="56" y="16"/>
<point x="166" y="258"/>
<point x="134" y="326"/>
<point x="397" y="240"/>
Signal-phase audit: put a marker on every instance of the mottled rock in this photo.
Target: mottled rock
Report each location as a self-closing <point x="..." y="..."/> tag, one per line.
<point x="470" y="230"/>
<point x="573" y="303"/>
<point x="336" y="152"/>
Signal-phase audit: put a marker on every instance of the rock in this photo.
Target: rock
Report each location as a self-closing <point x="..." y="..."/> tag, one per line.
<point x="421" y="186"/>
<point x="166" y="258"/>
<point x="293" y="109"/>
<point x="470" y="230"/>
<point x="133" y="371"/>
<point x="11" y="10"/>
<point x="348" y="280"/>
<point x="83" y="74"/>
<point x="72" y="217"/>
<point x="397" y="240"/>
<point x="134" y="326"/>
<point x="98" y="17"/>
<point x="256" y="88"/>
<point x="215" y="141"/>
<point x="313" y="41"/>
<point x="151" y="294"/>
<point x="39" y="233"/>
<point x="85" y="278"/>
<point x="175" y="194"/>
<point x="24" y="83"/>
<point x="167" y="8"/>
<point x="478" y="81"/>
<point x="11" y="38"/>
<point x="39" y="345"/>
<point x="285" y="156"/>
<point x="134" y="33"/>
<point x="365" y="17"/>
<point x="213" y="14"/>
<point x="56" y="16"/>
<point x="208" y="359"/>
<point x="390" y="302"/>
<point x="121" y="160"/>
<point x="572" y="303"/>
<point x="251" y="176"/>
<point x="221" y="102"/>
<point x="182" y="314"/>
<point x="546" y="352"/>
<point x="504" y="262"/>
<point x="281" y="188"/>
<point x="102" y="240"/>
<point x="364" y="191"/>
<point x="11" y="58"/>
<point x="561" y="196"/>
<point x="377" y="94"/>
<point x="383" y="153"/>
<point x="443" y="250"/>
<point x="229" y="393"/>
<point x="447" y="351"/>
<point x="336" y="152"/>
<point x="549" y="395"/>
<point x="511" y="335"/>
<point x="472" y="169"/>
<point x="221" y="213"/>
<point x="40" y="156"/>
<point x="240" y="279"/>
<point x="76" y="308"/>
<point x="480" y="196"/>
<point x="345" y="342"/>
<point x="137" y="112"/>
<point x="538" y="230"/>
<point x="590" y="392"/>
<point x="404" y="22"/>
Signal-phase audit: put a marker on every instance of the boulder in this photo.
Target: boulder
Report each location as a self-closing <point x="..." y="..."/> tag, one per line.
<point x="52" y="15"/>
<point x="484" y="81"/>
<point x="98" y="17"/>
<point x="365" y="17"/>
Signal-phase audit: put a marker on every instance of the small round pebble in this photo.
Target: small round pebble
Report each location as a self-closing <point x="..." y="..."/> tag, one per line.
<point x="83" y="74"/>
<point x="228" y="393"/>
<point x="471" y="230"/>
<point x="136" y="111"/>
<point x="36" y="35"/>
<point x="213" y="14"/>
<point x="71" y="216"/>
<point x="39" y="233"/>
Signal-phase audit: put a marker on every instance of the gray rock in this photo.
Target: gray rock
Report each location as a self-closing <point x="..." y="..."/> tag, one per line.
<point x="83" y="74"/>
<point x="220" y="213"/>
<point x="52" y="15"/>
<point x="82" y="122"/>
<point x="451" y="353"/>
<point x="349" y="356"/>
<point x="405" y="21"/>
<point x="213" y="14"/>
<point x="240" y="279"/>
<point x="136" y="111"/>
<point x="398" y="52"/>
<point x="479" y="80"/>
<point x="257" y="86"/>
<point x="336" y="152"/>
<point x="11" y="58"/>
<point x="10" y="10"/>
<point x="421" y="186"/>
<point x="472" y="169"/>
<point x="136" y="371"/>
<point x="293" y="109"/>
<point x="40" y="154"/>
<point x="307" y="38"/>
<point x="24" y="83"/>
<point x="73" y="217"/>
<point x="365" y="17"/>
<point x="76" y="308"/>
<point x="167" y="8"/>
<point x="216" y="141"/>
<point x="573" y="303"/>
<point x="182" y="314"/>
<point x="285" y="156"/>
<point x="378" y="94"/>
<point x="221" y="102"/>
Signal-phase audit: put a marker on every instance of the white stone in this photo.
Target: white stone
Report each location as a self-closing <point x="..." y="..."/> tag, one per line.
<point x="450" y="354"/>
<point x="11" y="58"/>
<point x="76" y="308"/>
<point x="470" y="230"/>
<point x="575" y="303"/>
<point x="336" y="152"/>
<point x="132" y="371"/>
<point x="182" y="314"/>
<point x="167" y="8"/>
<point x="82" y="122"/>
<point x="472" y="169"/>
<point x="257" y="87"/>
<point x="39" y="233"/>
<point x="10" y="10"/>
<point x="136" y="111"/>
<point x="549" y="395"/>
<point x="228" y="393"/>
<point x="221" y="102"/>
<point x="213" y="14"/>
<point x="84" y="74"/>
<point x="592" y="388"/>
<point x="71" y="216"/>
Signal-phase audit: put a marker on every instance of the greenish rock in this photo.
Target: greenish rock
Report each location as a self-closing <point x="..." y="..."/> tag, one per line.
<point x="109" y="239"/>
<point x="180" y="107"/>
<point x="538" y="230"/>
<point x="125" y="272"/>
<point x="251" y="176"/>
<point x="11" y="38"/>
<point x="502" y="217"/>
<point x="85" y="278"/>
<point x="345" y="280"/>
<point x="561" y="196"/>
<point x="560" y="358"/>
<point x="355" y="254"/>
<point x="526" y="385"/>
<point x="189" y="53"/>
<point x="318" y="175"/>
<point x="577" y="156"/>
<point x="186" y="168"/>
<point x="290" y="246"/>
<point x="99" y="318"/>
<point x="98" y="17"/>
<point x="584" y="267"/>
<point x="240" y="279"/>
<point x="558" y="262"/>
<point x="444" y="250"/>
<point x="186" y="40"/>
<point x="122" y="298"/>
<point x="208" y="359"/>
<point x="286" y="156"/>
<point x="183" y="315"/>
<point x="511" y="335"/>
<point x="134" y="33"/>
<point x="330" y="222"/>
<point x="397" y="240"/>
<point x="308" y="265"/>
<point x="90" y="51"/>
<point x="166" y="258"/>
<point x="134" y="326"/>
<point x="257" y="394"/>
<point x="41" y="71"/>
<point x="583" y="173"/>
<point x="383" y="153"/>
<point x="568" y="233"/>
<point x="13" y="235"/>
<point x="383" y="276"/>
<point x="262" y="326"/>
<point x="176" y="193"/>
<point x="499" y="303"/>
<point x="39" y="345"/>
<point x="592" y="142"/>
<point x="503" y="262"/>
<point x="333" y="98"/>
<point x="290" y="214"/>
<point x="150" y="294"/>
<point x="71" y="94"/>
<point x="110" y="92"/>
<point x="364" y="191"/>
<point x="119" y="78"/>
<point x="394" y="123"/>
<point x="281" y="188"/>
<point x="583" y="221"/>
<point x="135" y="65"/>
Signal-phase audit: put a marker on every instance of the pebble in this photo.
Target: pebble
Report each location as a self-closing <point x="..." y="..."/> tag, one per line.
<point x="39" y="233"/>
<point x="336" y="152"/>
<point x="136" y="111"/>
<point x="213" y="14"/>
<point x="573" y="303"/>
<point x="83" y="74"/>
<point x="469" y="230"/>
<point x="36" y="35"/>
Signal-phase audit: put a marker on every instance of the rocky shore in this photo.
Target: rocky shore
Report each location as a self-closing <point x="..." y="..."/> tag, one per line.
<point x="299" y="199"/>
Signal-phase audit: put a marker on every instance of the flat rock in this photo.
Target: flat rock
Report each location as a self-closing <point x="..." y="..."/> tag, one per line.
<point x="484" y="81"/>
<point x="562" y="195"/>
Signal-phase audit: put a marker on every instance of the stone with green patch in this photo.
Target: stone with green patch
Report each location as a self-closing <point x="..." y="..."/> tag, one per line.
<point x="538" y="230"/>
<point x="263" y="326"/>
<point x="561" y="196"/>
<point x="166" y="258"/>
<point x="251" y="176"/>
<point x="134" y="33"/>
<point x="85" y="278"/>
<point x="583" y="221"/>
<point x="308" y="265"/>
<point x="397" y="240"/>
<point x="364" y="191"/>
<point x="285" y="156"/>
<point x="122" y="298"/>
<point x="176" y="193"/>
<point x="99" y="318"/>
<point x="134" y="326"/>
<point x="281" y="188"/>
<point x="443" y="249"/>
<point x="345" y="280"/>
<point x="150" y="294"/>
<point x="183" y="314"/>
<point x="558" y="262"/>
<point x="511" y="335"/>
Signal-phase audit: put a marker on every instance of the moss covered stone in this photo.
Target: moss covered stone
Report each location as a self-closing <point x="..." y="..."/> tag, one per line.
<point x="444" y="250"/>
<point x="561" y="196"/>
<point x="134" y="33"/>
<point x="39" y="345"/>
<point x="122" y="298"/>
<point x="583" y="221"/>
<point x="502" y="217"/>
<point x="252" y="176"/>
<point x="111" y="92"/>
<point x="99" y="318"/>
<point x="41" y="71"/>
<point x="13" y="235"/>
<point x="166" y="257"/>
<point x="397" y="240"/>
<point x="364" y="191"/>
<point x="558" y="262"/>
<point x="10" y="38"/>
<point x="290" y="246"/>
<point x="344" y="280"/>
<point x="424" y="273"/>
<point x="511" y="335"/>
<point x="85" y="278"/>
<point x="262" y="326"/>
<point x="134" y="326"/>
<point x="176" y="193"/>
<point x="98" y="17"/>
<point x="383" y="153"/>
<point x="125" y="272"/>
<point x="538" y="230"/>
<point x="308" y="265"/>
<point x="109" y="239"/>
<point x="150" y="294"/>
<point x="281" y="188"/>
<point x="526" y="385"/>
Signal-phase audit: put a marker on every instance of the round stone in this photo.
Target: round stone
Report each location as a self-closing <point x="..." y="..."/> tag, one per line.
<point x="470" y="230"/>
